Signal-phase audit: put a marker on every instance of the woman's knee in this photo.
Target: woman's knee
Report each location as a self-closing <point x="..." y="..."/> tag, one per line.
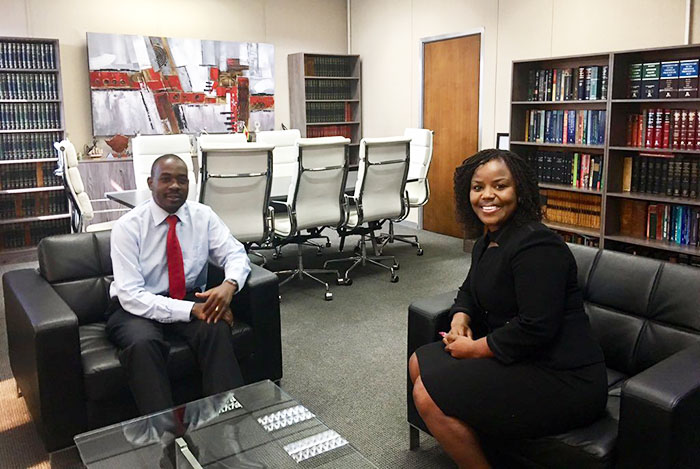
<point x="424" y="403"/>
<point x="413" y="368"/>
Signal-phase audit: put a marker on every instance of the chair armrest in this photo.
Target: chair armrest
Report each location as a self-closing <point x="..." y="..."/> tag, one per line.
<point x="44" y="352"/>
<point x="280" y="203"/>
<point x="257" y="304"/>
<point x="659" y="412"/>
<point x="426" y="317"/>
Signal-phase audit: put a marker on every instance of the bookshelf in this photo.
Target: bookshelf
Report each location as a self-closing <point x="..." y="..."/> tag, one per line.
<point x="626" y="213"/>
<point x="325" y="97"/>
<point x="32" y="199"/>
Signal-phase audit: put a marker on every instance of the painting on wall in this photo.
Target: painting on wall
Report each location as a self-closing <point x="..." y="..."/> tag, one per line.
<point x="158" y="85"/>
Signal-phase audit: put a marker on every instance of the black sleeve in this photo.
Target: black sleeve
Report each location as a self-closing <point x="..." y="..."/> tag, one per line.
<point x="464" y="303"/>
<point x="540" y="266"/>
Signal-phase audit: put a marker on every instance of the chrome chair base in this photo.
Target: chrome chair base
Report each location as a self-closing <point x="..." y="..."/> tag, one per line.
<point x="300" y="272"/>
<point x="390" y="237"/>
<point x="363" y="259"/>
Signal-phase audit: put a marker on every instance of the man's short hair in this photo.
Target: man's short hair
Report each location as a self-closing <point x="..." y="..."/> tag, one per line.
<point x="163" y="158"/>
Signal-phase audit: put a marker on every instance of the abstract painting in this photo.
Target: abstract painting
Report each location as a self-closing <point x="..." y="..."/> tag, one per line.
<point x="158" y="85"/>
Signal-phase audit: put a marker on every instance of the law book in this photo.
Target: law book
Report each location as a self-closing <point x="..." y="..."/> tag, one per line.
<point x="694" y="175"/>
<point x="692" y="129"/>
<point x="685" y="178"/>
<point x="581" y="84"/>
<point x="633" y="215"/>
<point x="643" y="174"/>
<point x="604" y="82"/>
<point x="650" y="128"/>
<point x="676" y="129"/>
<point x="683" y="143"/>
<point x="659" y="221"/>
<point x="688" y="79"/>
<point x="666" y="129"/>
<point x="627" y="174"/>
<point x="651" y="221"/>
<point x="634" y="74"/>
<point x="663" y="176"/>
<point x="676" y="178"/>
<point x="659" y="128"/>
<point x="595" y="79"/>
<point x="668" y="84"/>
<point x="651" y="72"/>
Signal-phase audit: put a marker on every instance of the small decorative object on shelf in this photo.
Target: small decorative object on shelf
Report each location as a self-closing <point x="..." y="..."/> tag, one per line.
<point x="32" y="199"/>
<point x="325" y="97"/>
<point x="118" y="144"/>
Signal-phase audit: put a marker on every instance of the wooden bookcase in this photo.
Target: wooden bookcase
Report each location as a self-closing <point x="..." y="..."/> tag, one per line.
<point x="614" y="204"/>
<point x="32" y="199"/>
<point x="325" y="97"/>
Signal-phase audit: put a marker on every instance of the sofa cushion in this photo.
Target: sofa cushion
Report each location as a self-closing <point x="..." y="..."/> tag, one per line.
<point x="104" y="378"/>
<point x="586" y="447"/>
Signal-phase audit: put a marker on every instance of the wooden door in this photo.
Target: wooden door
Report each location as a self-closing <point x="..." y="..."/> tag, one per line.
<point x="451" y="109"/>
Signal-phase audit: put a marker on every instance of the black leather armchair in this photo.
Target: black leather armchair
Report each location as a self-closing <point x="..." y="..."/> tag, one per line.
<point x="66" y="368"/>
<point x="646" y="316"/>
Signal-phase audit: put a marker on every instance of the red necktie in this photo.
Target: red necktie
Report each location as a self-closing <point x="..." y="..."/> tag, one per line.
<point x="176" y="267"/>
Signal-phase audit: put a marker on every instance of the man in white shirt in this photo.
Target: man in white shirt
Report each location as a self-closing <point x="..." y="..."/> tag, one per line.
<point x="159" y="256"/>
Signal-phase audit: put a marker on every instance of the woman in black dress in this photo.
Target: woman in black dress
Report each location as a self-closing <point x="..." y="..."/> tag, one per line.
<point x="519" y="360"/>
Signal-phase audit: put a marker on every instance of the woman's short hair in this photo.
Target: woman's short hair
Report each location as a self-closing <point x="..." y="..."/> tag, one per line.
<point x="526" y="189"/>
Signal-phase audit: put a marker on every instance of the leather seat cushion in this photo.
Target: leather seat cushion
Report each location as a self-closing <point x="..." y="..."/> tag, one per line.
<point x="104" y="377"/>
<point x="587" y="447"/>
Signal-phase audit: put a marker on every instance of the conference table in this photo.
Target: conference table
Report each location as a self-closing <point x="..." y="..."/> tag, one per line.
<point x="278" y="191"/>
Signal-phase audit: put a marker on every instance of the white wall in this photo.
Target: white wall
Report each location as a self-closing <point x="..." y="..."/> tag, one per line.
<point x="292" y="26"/>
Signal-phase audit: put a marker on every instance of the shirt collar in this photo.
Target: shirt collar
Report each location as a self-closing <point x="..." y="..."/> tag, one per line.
<point x="502" y="235"/>
<point x="159" y="215"/>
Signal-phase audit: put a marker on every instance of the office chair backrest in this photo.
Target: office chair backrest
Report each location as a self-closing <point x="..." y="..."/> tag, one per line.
<point x="236" y="184"/>
<point x="316" y="192"/>
<point x="421" y="156"/>
<point x="381" y="177"/>
<point x="147" y="148"/>
<point x="286" y="153"/>
<point x="82" y="211"/>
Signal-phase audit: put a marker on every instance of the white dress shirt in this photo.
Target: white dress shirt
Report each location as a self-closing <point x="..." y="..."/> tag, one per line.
<point x="139" y="259"/>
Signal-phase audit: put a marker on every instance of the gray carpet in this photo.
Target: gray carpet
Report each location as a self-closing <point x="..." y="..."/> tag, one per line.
<point x="346" y="359"/>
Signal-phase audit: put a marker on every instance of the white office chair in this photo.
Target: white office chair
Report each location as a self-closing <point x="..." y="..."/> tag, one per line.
<point x="315" y="200"/>
<point x="219" y="141"/>
<point x="379" y="196"/>
<point x="80" y="205"/>
<point x="146" y="148"/>
<point x="236" y="183"/>
<point x="286" y="153"/>
<point x="417" y="188"/>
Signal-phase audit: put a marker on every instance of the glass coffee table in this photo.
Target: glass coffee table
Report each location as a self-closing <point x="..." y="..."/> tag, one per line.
<point x="252" y="427"/>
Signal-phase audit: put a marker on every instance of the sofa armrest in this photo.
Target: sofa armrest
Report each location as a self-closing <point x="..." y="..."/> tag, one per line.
<point x="426" y="317"/>
<point x="44" y="352"/>
<point x="659" y="412"/>
<point x="258" y="305"/>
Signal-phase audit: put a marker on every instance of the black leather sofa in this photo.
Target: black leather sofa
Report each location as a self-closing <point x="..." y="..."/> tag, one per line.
<point x="646" y="315"/>
<point x="66" y="368"/>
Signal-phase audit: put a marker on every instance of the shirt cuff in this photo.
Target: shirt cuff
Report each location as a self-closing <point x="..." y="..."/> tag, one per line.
<point x="181" y="311"/>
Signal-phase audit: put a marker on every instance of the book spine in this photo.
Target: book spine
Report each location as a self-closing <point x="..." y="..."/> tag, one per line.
<point x="627" y="174"/>
<point x="651" y="129"/>
<point x="665" y="141"/>
<point x="658" y="128"/>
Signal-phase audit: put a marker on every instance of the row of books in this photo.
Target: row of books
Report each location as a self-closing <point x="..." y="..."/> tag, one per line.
<point x="676" y="129"/>
<point x="28" y="145"/>
<point x="575" y="127"/>
<point x="669" y="79"/>
<point x="329" y="89"/>
<point x="662" y="222"/>
<point x="19" y="235"/>
<point x="580" y="239"/>
<point x="673" y="177"/>
<point x="25" y="175"/>
<point x="329" y="131"/>
<point x="32" y="205"/>
<point x="672" y="257"/>
<point x="28" y="86"/>
<point x="22" y="116"/>
<point x="571" y="208"/>
<point x="328" y="66"/>
<point x="580" y="170"/>
<point x="24" y="55"/>
<point x="328" y="112"/>
<point x="567" y="84"/>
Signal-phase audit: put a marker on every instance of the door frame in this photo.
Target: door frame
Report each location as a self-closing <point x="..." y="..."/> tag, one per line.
<point x="421" y="81"/>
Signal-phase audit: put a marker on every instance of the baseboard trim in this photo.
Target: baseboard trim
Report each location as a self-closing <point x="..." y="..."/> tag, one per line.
<point x="408" y="224"/>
